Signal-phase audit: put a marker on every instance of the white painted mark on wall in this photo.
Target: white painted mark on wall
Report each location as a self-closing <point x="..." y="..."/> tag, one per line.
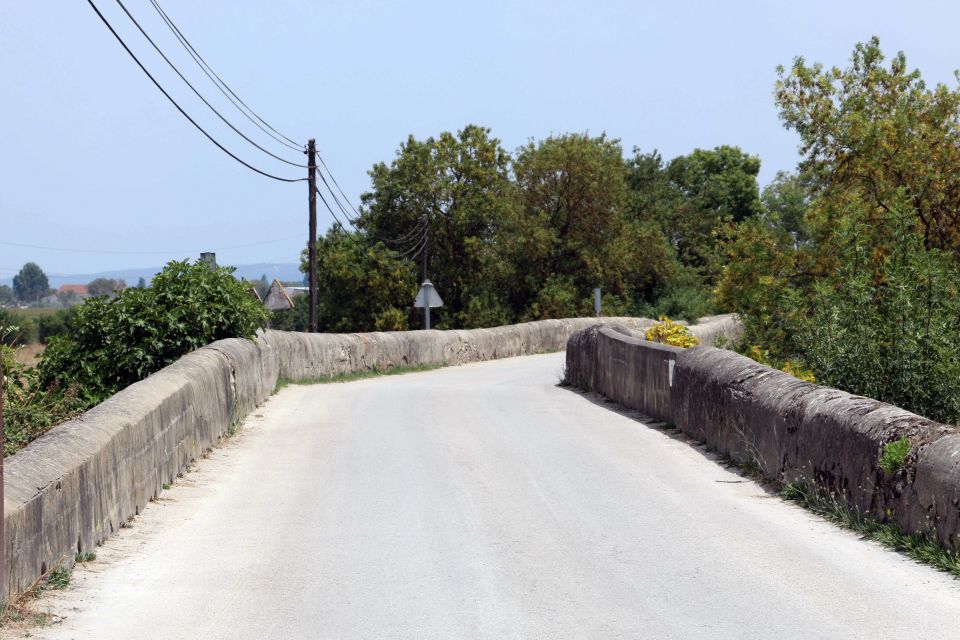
<point x="671" y="364"/>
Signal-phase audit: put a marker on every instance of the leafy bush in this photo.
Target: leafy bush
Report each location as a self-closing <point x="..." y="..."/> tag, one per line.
<point x="296" y="319"/>
<point x="889" y="328"/>
<point x="54" y="324"/>
<point x="793" y="366"/>
<point x="688" y="303"/>
<point x="116" y="342"/>
<point x="671" y="333"/>
<point x="14" y="331"/>
<point x="29" y="410"/>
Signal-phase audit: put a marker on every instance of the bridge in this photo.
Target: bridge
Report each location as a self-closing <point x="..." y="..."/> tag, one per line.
<point x="474" y="501"/>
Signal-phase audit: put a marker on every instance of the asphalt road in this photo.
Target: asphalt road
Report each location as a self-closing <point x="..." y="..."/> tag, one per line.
<point x="484" y="502"/>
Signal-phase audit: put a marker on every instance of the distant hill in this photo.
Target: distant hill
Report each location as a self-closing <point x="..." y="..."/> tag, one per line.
<point x="285" y="271"/>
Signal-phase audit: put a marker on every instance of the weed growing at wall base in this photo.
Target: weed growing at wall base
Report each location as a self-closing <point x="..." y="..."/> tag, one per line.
<point x="360" y="375"/>
<point x="895" y="454"/>
<point x="919" y="548"/>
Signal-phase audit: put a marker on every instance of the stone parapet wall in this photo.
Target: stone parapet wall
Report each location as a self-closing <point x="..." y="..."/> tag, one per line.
<point x="69" y="490"/>
<point x="792" y="430"/>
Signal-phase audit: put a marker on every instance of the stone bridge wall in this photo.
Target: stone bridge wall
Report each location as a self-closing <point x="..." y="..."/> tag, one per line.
<point x="70" y="489"/>
<point x="792" y="429"/>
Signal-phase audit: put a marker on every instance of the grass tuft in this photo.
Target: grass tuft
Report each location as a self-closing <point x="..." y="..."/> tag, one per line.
<point x="895" y="454"/>
<point x="360" y="375"/>
<point x="920" y="548"/>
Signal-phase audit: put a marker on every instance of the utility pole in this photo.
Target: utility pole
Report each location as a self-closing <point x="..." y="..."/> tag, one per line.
<point x="312" y="242"/>
<point x="426" y="250"/>
<point x="426" y="244"/>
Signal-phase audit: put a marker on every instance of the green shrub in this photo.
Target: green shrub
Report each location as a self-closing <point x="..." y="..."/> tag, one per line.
<point x="14" y="331"/>
<point x="296" y="319"/>
<point x="116" y="342"/>
<point x="669" y="332"/>
<point x="889" y="329"/>
<point x="29" y="409"/>
<point x="54" y="324"/>
<point x="870" y="316"/>
<point x="895" y="454"/>
<point x="685" y="303"/>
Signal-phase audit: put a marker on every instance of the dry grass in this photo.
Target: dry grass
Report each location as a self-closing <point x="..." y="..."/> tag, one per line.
<point x="30" y="354"/>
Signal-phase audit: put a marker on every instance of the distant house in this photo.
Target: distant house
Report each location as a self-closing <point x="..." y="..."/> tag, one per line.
<point x="66" y="295"/>
<point x="79" y="290"/>
<point x="280" y="297"/>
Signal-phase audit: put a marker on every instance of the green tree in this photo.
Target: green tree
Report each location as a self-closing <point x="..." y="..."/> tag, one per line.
<point x="113" y="342"/>
<point x="31" y="283"/>
<point x="459" y="186"/>
<point x="141" y="283"/>
<point x="863" y="290"/>
<point x="571" y="233"/>
<point x="785" y="204"/>
<point x="360" y="286"/>
<point x="874" y="133"/>
<point x="718" y="187"/>
<point x="6" y="295"/>
<point x="105" y="287"/>
<point x="666" y="287"/>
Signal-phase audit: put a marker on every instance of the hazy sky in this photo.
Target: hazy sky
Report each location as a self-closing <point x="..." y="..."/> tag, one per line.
<point x="93" y="157"/>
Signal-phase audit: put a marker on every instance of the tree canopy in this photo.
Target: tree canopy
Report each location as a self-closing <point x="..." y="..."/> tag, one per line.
<point x="31" y="283"/>
<point x="527" y="235"/>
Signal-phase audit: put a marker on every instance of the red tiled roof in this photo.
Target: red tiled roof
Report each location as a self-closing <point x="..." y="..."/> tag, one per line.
<point x="79" y="289"/>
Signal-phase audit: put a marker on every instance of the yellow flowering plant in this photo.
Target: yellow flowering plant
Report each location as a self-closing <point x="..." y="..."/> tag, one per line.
<point x="672" y="333"/>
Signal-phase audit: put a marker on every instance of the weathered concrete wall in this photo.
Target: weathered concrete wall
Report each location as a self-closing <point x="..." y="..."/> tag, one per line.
<point x="609" y="360"/>
<point x="70" y="489"/>
<point x="791" y="429"/>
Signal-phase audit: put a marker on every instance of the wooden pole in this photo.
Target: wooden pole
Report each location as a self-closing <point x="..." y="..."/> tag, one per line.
<point x="312" y="242"/>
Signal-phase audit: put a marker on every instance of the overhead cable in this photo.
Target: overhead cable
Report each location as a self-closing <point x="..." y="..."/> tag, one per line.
<point x="199" y="95"/>
<point x="141" y="252"/>
<point x="179" y="108"/>
<point x="223" y="86"/>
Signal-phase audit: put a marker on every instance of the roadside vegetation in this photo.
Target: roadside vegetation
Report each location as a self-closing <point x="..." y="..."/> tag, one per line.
<point x="919" y="548"/>
<point x="666" y="331"/>
<point x="376" y="372"/>
<point x="854" y="274"/>
<point x="112" y="342"/>
<point x="844" y="270"/>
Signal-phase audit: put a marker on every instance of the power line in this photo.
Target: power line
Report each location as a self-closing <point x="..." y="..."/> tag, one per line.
<point x="330" y="173"/>
<point x="407" y="236"/>
<point x="389" y="241"/>
<point x="199" y="95"/>
<point x="330" y="209"/>
<point x="417" y="248"/>
<point x="110" y="252"/>
<point x="220" y="84"/>
<point x="338" y="203"/>
<point x="400" y="253"/>
<point x="179" y="108"/>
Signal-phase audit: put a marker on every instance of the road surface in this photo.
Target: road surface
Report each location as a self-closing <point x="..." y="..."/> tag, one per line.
<point x="484" y="502"/>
